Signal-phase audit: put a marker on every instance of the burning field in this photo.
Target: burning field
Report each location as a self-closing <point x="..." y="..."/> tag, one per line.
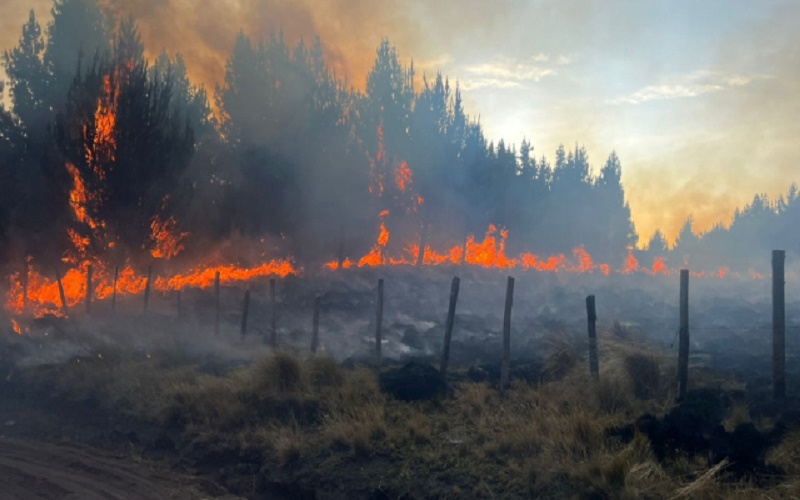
<point x="297" y="288"/>
<point x="265" y="422"/>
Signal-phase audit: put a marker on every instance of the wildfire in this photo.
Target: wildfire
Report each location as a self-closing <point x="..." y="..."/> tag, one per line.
<point x="490" y="253"/>
<point x="16" y="327"/>
<point x="375" y="257"/>
<point x="80" y="199"/>
<point x="166" y="237"/>
<point x="660" y="266"/>
<point x="43" y="295"/>
<point x="204" y="277"/>
<point x="334" y="265"/>
<point x="403" y="176"/>
<point x="631" y="264"/>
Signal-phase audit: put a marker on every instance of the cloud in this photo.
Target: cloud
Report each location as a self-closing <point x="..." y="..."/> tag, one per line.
<point x="504" y="74"/>
<point x="689" y="85"/>
<point x="564" y="60"/>
<point x="468" y="84"/>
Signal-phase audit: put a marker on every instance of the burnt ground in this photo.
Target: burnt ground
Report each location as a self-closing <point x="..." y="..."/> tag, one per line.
<point x="57" y="443"/>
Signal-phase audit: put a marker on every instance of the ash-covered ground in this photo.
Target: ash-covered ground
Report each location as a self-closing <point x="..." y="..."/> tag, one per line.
<point x="729" y="319"/>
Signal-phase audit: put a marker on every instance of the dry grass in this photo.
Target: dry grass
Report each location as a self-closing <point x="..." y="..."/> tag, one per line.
<point x="543" y="440"/>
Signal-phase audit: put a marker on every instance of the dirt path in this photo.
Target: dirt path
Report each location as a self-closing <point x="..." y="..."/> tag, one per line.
<point x="31" y="469"/>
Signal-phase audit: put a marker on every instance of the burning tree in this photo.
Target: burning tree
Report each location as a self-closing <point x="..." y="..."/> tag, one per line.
<point x="124" y="149"/>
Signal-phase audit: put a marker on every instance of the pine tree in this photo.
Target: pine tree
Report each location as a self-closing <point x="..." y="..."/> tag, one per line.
<point x="78" y="30"/>
<point x="27" y="77"/>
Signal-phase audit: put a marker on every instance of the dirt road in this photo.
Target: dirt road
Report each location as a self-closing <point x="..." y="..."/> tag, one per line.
<point x="31" y="469"/>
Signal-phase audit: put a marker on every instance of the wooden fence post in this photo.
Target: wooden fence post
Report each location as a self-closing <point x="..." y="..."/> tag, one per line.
<point x="147" y="289"/>
<point x="89" y="290"/>
<point x="683" y="347"/>
<point x="423" y="243"/>
<point x="273" y="328"/>
<point x="315" y="326"/>
<point x="114" y="293"/>
<point x="448" y="328"/>
<point x="245" y="311"/>
<point x="61" y="293"/>
<point x="778" y="325"/>
<point x="216" y="303"/>
<point x="505" y="369"/>
<point x="379" y="323"/>
<point x="591" y="314"/>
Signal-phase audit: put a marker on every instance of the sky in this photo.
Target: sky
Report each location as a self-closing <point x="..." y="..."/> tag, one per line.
<point x="700" y="99"/>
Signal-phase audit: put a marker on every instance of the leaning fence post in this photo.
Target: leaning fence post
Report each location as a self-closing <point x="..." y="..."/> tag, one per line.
<point x="379" y="323"/>
<point x="245" y="311"/>
<point x="448" y="329"/>
<point x="61" y="293"/>
<point x="505" y="369"/>
<point x="778" y="325"/>
<point x="594" y="368"/>
<point x="315" y="326"/>
<point x="683" y="347"/>
<point x="216" y="303"/>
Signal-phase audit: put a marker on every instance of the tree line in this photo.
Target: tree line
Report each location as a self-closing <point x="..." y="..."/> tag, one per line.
<point x="284" y="151"/>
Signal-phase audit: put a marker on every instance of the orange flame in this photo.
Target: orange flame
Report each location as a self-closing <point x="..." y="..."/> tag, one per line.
<point x="168" y="240"/>
<point x="100" y="141"/>
<point x="16" y="326"/>
<point x="403" y="176"/>
<point x="43" y="296"/>
<point x="204" y="277"/>
<point x="375" y="257"/>
<point x="660" y="266"/>
<point x="631" y="264"/>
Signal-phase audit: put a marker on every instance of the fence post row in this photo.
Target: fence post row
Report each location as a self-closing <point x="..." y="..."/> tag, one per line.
<point x="778" y="321"/>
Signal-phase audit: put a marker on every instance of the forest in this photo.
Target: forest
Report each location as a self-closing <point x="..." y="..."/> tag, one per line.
<point x="108" y="155"/>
